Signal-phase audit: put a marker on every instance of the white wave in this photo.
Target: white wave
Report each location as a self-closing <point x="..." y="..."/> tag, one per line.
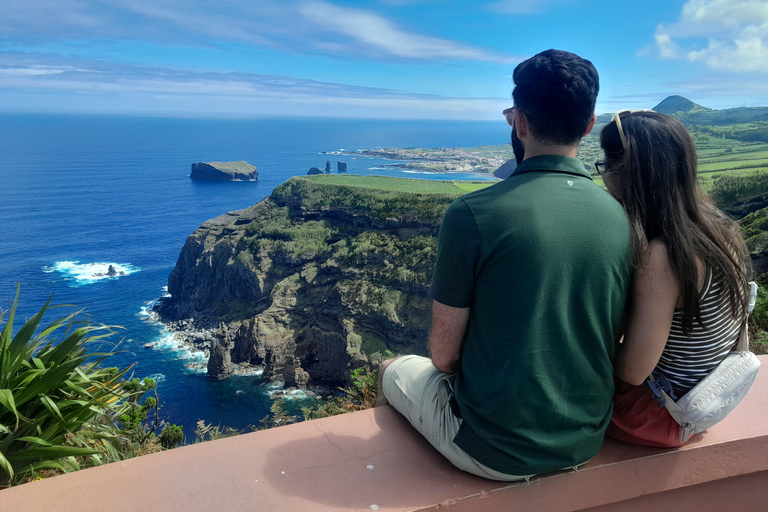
<point x="81" y="274"/>
<point x="293" y="394"/>
<point x="157" y="377"/>
<point x="248" y="371"/>
<point x="431" y="173"/>
<point x="168" y="342"/>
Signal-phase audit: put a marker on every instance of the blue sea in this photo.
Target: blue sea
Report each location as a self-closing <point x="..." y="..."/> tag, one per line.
<point x="81" y="192"/>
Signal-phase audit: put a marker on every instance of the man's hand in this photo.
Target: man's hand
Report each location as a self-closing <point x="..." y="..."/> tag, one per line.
<point x="448" y="327"/>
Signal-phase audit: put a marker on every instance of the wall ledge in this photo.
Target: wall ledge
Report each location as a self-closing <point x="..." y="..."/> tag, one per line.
<point x="374" y="460"/>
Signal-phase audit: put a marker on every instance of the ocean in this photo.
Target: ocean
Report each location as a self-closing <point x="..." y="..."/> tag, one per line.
<point x="81" y="192"/>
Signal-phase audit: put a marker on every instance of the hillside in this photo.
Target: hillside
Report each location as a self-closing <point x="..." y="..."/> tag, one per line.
<point x="691" y="113"/>
<point x="674" y="104"/>
<point x="325" y="275"/>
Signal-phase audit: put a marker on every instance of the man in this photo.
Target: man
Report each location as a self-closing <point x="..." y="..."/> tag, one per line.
<point x="528" y="291"/>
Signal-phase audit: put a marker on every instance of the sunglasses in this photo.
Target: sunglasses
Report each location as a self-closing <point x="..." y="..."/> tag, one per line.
<point x="508" y="115"/>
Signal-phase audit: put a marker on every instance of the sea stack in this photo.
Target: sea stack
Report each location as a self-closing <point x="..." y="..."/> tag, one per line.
<point x="224" y="171"/>
<point x="341" y="166"/>
<point x="314" y="170"/>
<point x="327" y="166"/>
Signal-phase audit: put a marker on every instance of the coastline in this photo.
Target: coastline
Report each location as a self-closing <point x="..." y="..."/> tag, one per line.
<point x="195" y="338"/>
<point x="482" y="160"/>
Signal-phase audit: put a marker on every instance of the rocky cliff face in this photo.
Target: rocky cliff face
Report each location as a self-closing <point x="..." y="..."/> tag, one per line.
<point x="311" y="283"/>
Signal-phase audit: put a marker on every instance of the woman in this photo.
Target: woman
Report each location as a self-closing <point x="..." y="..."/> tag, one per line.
<point x="690" y="289"/>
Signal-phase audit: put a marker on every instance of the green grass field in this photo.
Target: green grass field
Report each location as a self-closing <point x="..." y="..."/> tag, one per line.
<point x="717" y="157"/>
<point x="415" y="186"/>
<point x="732" y="164"/>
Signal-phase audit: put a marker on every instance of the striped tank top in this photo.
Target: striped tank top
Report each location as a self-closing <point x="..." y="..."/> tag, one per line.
<point x="686" y="360"/>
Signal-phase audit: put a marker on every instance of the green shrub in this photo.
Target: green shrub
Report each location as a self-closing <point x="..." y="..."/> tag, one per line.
<point x="137" y="425"/>
<point x="758" y="319"/>
<point x="361" y="395"/>
<point x="728" y="189"/>
<point x="171" y="436"/>
<point x="51" y="391"/>
<point x="759" y="343"/>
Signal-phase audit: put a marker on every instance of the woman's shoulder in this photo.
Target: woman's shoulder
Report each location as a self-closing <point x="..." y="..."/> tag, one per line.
<point x="659" y="266"/>
<point x="656" y="256"/>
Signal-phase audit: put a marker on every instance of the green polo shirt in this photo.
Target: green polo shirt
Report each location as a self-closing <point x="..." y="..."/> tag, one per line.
<point x="542" y="260"/>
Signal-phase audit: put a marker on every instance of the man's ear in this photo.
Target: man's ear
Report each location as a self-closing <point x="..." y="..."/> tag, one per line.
<point x="591" y="125"/>
<point x="521" y="124"/>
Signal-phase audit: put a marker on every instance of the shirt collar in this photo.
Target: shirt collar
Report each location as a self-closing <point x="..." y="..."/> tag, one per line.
<point x="553" y="163"/>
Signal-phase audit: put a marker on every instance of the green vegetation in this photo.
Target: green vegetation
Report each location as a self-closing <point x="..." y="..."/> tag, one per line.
<point x="730" y="189"/>
<point x="171" y="436"/>
<point x="414" y="186"/>
<point x="369" y="241"/>
<point x="422" y="201"/>
<point x="361" y="395"/>
<point x="59" y="406"/>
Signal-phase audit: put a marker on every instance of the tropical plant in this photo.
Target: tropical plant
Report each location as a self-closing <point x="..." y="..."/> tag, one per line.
<point x="50" y="389"/>
<point x="209" y="432"/>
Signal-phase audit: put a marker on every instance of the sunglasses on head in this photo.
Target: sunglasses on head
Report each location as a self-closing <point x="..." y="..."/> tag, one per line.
<point x="617" y="119"/>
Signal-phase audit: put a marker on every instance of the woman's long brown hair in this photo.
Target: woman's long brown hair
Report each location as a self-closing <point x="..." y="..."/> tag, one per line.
<point x="654" y="178"/>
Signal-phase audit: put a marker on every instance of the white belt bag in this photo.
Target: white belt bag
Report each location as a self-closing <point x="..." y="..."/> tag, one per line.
<point x="714" y="397"/>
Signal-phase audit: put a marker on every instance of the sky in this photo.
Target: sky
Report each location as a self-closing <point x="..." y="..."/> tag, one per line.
<point x="402" y="59"/>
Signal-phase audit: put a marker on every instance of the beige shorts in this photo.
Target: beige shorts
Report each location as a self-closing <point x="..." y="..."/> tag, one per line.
<point x="421" y="393"/>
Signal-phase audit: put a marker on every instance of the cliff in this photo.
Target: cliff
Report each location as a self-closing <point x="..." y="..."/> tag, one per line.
<point x="325" y="275"/>
<point x="224" y="171"/>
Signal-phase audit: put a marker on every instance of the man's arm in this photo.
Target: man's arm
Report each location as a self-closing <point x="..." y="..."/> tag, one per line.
<point x="448" y="327"/>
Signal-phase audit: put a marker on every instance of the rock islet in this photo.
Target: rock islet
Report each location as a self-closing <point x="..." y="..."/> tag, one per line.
<point x="224" y="171"/>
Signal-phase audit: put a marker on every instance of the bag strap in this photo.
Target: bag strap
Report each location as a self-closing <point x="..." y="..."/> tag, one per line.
<point x="743" y="343"/>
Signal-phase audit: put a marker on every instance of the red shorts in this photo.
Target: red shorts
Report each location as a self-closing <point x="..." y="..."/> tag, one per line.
<point x="637" y="418"/>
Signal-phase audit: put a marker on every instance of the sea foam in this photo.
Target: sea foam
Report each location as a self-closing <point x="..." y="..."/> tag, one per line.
<point x="80" y="274"/>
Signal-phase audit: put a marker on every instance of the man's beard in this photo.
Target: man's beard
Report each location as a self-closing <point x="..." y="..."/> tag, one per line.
<point x="517" y="147"/>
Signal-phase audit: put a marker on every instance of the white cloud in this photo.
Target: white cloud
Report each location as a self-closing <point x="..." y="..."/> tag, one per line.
<point x="376" y="32"/>
<point x="34" y="70"/>
<point x="736" y="34"/>
<point x="124" y="87"/>
<point x="300" y="26"/>
<point x="730" y="13"/>
<point x="667" y="48"/>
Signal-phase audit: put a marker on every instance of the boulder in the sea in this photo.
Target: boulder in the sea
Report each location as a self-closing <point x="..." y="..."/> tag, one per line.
<point x="341" y="166"/>
<point x="314" y="170"/>
<point x="327" y="166"/>
<point x="111" y="271"/>
<point x="224" y="171"/>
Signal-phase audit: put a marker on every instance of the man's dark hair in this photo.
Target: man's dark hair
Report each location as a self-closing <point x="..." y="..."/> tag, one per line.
<point x="556" y="91"/>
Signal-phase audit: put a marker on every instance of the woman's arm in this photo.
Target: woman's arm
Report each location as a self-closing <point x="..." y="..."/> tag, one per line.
<point x="655" y="295"/>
